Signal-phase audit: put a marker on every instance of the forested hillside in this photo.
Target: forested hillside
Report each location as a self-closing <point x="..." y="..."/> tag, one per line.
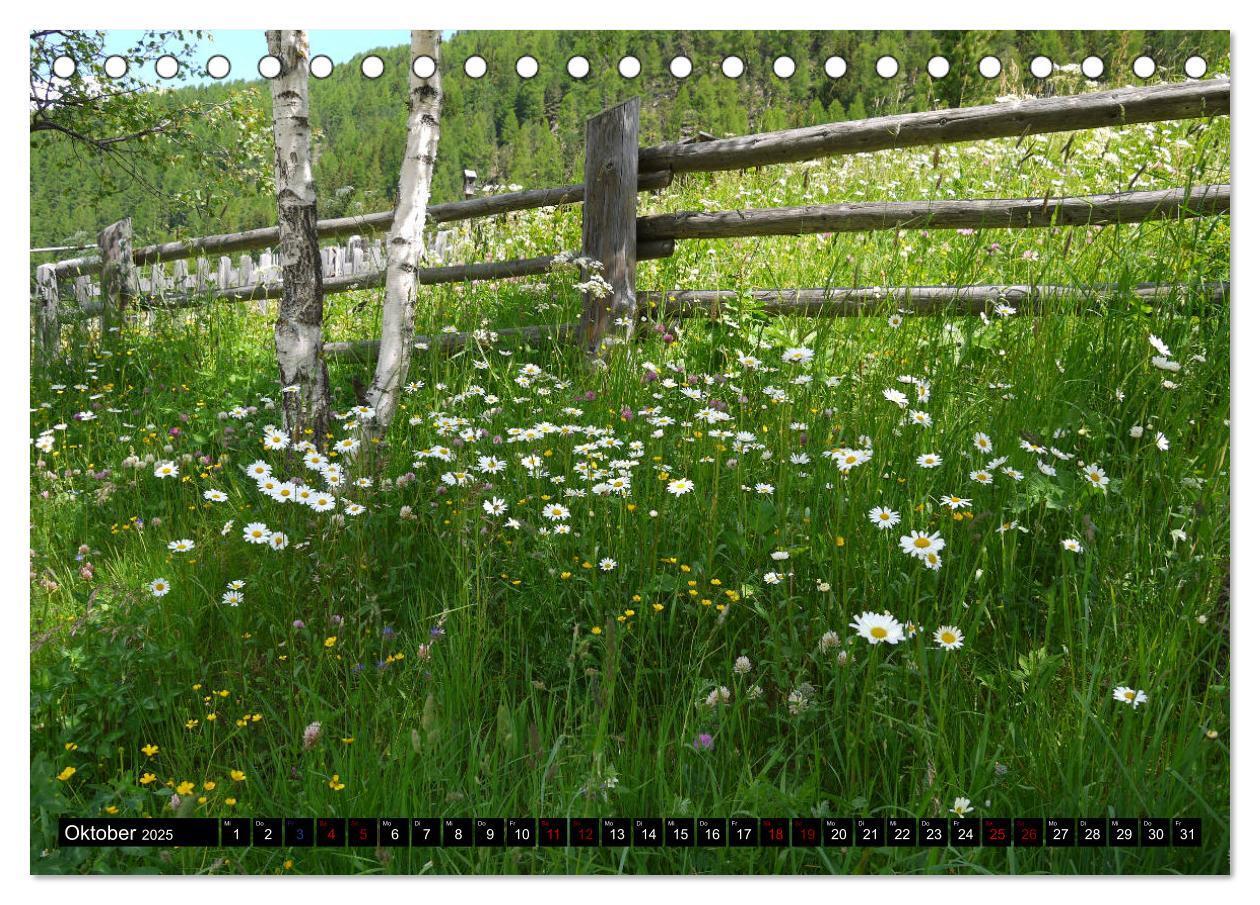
<point x="529" y="131"/>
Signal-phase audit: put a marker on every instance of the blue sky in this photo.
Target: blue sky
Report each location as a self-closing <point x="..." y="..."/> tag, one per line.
<point x="244" y="48"/>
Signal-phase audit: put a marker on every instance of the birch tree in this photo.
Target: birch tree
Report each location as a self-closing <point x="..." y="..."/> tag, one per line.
<point x="406" y="238"/>
<point x="299" y="325"/>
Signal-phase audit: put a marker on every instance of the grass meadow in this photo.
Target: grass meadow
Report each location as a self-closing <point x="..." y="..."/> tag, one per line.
<point x="639" y="590"/>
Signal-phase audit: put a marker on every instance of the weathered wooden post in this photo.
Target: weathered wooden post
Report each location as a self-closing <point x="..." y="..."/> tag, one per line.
<point x="47" y="314"/>
<point x="119" y="283"/>
<point x="608" y="222"/>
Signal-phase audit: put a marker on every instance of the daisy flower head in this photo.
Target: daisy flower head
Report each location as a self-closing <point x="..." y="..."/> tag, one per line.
<point x="256" y="533"/>
<point x="982" y="442"/>
<point x="679" y="486"/>
<point x="948" y="637"/>
<point x="258" y="469"/>
<point x="883" y="518"/>
<point x="555" y="512"/>
<point x="923" y="419"/>
<point x="896" y="397"/>
<point x="278" y="540"/>
<point x="233" y="598"/>
<point x="920" y="543"/>
<point x="322" y="502"/>
<point x="928" y="460"/>
<point x="1071" y="544"/>
<point x="932" y="560"/>
<point x="1096" y="477"/>
<point x="183" y="545"/>
<point x="878" y="628"/>
<point x="215" y="496"/>
<point x="159" y="587"/>
<point x="166" y="470"/>
<point x="955" y="502"/>
<point x="1126" y="695"/>
<point x="962" y="806"/>
<point x="980" y="476"/>
<point x="798" y="355"/>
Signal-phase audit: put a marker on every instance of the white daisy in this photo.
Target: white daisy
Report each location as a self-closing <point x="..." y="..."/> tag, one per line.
<point x="878" y="628"/>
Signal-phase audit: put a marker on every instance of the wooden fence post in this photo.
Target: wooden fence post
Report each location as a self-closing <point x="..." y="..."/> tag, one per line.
<point x="47" y="314"/>
<point x="118" y="272"/>
<point x="608" y="220"/>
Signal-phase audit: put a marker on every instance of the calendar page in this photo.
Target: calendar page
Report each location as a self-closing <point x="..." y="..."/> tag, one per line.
<point x="629" y="451"/>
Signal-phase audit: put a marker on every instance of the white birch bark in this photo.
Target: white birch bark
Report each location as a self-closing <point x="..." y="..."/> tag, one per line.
<point x="406" y="239"/>
<point x="299" y="324"/>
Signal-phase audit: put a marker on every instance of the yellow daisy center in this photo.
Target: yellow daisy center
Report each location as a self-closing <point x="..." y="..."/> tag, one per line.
<point x="922" y="542"/>
<point x="879" y="632"/>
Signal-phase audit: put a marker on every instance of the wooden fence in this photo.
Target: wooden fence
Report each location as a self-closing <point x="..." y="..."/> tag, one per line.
<point x="613" y="235"/>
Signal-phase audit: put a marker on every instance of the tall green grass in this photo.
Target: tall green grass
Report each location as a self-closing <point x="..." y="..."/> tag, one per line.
<point x="462" y="668"/>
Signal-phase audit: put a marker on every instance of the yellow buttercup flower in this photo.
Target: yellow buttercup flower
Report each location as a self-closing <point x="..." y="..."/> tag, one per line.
<point x="149" y="750"/>
<point x="66" y="773"/>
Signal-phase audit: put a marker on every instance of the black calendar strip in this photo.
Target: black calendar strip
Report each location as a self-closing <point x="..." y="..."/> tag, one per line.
<point x="638" y="832"/>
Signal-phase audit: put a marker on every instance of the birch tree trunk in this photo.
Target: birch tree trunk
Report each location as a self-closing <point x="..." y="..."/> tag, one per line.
<point x="406" y="239"/>
<point x="299" y="325"/>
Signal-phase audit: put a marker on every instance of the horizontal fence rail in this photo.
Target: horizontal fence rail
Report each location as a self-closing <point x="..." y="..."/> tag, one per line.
<point x="863" y="301"/>
<point x="341" y="227"/>
<point x="426" y="276"/>
<point x="1122" y="107"/>
<point x="1016" y="213"/>
<point x="617" y="238"/>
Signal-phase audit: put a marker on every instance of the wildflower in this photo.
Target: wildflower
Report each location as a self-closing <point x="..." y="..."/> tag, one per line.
<point x="149" y="750"/>
<point x="335" y="783"/>
<point x="679" y="486"/>
<point x="743" y="666"/>
<point x="1071" y="544"/>
<point x="1126" y="695"/>
<point x="962" y="806"/>
<point x="65" y="774"/>
<point x="166" y="470"/>
<point x="311" y="736"/>
<point x="233" y="598"/>
<point x="948" y="637"/>
<point x="555" y="512"/>
<point x="1161" y="442"/>
<point x="215" y="496"/>
<point x="183" y="545"/>
<point x="1096" y="476"/>
<point x="256" y="533"/>
<point x="607" y="564"/>
<point x="278" y="540"/>
<point x="928" y="460"/>
<point x="920" y="543"/>
<point x="703" y="742"/>
<point x="883" y="518"/>
<point x="798" y="356"/>
<point x="878" y="628"/>
<point x="955" y="502"/>
<point x="159" y="587"/>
